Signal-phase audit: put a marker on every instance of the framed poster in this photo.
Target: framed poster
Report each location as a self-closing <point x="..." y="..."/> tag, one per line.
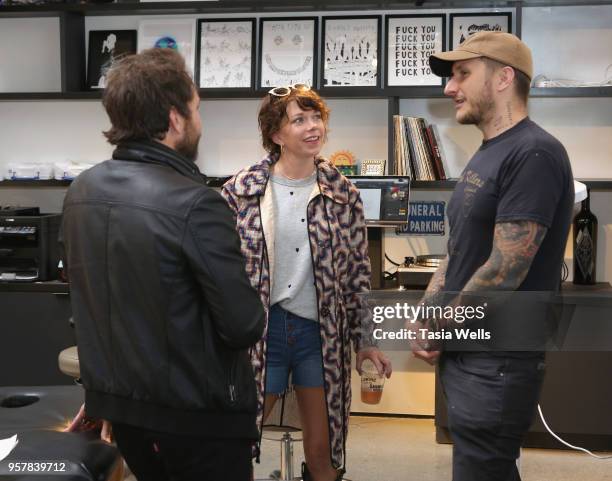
<point x="411" y="39"/>
<point x="106" y="46"/>
<point x="225" y="57"/>
<point x="350" y="56"/>
<point x="462" y="25"/>
<point x="288" y="48"/>
<point x="373" y="167"/>
<point x="178" y="34"/>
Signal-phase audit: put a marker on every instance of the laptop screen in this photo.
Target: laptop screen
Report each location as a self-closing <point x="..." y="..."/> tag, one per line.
<point x="385" y="199"/>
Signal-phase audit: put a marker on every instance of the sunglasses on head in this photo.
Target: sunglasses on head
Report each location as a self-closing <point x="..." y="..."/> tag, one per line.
<point x="284" y="91"/>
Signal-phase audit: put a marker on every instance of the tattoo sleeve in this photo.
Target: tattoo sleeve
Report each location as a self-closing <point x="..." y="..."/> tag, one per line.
<point x="515" y="244"/>
<point x="436" y="284"/>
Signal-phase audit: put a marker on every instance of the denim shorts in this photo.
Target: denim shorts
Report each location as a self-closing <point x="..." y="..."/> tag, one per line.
<point x="294" y="345"/>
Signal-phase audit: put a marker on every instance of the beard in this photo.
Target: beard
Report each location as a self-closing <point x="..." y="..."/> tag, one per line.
<point x="481" y="108"/>
<point x="188" y="146"/>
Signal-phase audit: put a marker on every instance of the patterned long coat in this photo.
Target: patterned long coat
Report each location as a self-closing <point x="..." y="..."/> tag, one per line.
<point x="338" y="245"/>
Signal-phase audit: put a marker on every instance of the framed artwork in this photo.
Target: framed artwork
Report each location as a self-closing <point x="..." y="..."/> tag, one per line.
<point x="178" y="34"/>
<point x="225" y="57"/>
<point x="344" y="161"/>
<point x="106" y="46"/>
<point x="411" y="39"/>
<point x="462" y="25"/>
<point x="350" y="56"/>
<point x="288" y="51"/>
<point x="373" y="167"/>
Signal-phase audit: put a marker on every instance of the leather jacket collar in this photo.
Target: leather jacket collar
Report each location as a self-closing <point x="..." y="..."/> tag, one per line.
<point x="153" y="152"/>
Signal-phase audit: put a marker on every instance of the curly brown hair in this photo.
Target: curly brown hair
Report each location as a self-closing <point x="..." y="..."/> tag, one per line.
<point x="140" y="92"/>
<point x="273" y="113"/>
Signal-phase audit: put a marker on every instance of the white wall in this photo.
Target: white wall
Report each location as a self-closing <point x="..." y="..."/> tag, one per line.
<point x="231" y="140"/>
<point x="29" y="55"/>
<point x="570" y="42"/>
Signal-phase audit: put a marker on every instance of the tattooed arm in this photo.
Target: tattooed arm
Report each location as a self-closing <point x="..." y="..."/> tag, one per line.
<point x="436" y="284"/>
<point x="433" y="296"/>
<point x="515" y="244"/>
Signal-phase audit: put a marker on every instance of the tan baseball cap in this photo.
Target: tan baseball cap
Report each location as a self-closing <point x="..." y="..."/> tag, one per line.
<point x="503" y="47"/>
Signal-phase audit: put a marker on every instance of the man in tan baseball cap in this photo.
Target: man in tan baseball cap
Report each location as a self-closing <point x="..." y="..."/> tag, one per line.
<point x="503" y="47"/>
<point x="489" y="80"/>
<point x="509" y="219"/>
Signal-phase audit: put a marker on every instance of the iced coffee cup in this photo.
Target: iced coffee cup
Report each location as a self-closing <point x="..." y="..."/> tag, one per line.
<point x="371" y="383"/>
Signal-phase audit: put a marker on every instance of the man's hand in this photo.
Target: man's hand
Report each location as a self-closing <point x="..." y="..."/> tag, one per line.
<point x="383" y="365"/>
<point x="422" y="347"/>
<point x="106" y="433"/>
<point x="430" y="357"/>
<point x="83" y="423"/>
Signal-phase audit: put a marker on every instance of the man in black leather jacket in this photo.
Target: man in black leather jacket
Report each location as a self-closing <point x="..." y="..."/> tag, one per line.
<point x="163" y="309"/>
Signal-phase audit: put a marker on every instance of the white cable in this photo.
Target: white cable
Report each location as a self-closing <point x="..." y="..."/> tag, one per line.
<point x="577" y="448"/>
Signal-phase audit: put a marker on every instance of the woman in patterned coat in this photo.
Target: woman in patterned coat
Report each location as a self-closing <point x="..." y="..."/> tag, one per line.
<point x="303" y="234"/>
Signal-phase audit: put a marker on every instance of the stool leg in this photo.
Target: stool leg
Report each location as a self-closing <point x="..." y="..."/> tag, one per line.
<point x="286" y="457"/>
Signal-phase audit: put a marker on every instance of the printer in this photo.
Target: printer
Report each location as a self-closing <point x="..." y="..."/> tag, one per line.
<point x="29" y="248"/>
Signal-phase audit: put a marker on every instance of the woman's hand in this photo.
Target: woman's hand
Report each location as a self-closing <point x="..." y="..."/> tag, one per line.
<point x="383" y="365"/>
<point x="83" y="423"/>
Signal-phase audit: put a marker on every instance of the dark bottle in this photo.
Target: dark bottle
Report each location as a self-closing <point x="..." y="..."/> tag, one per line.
<point x="585" y="244"/>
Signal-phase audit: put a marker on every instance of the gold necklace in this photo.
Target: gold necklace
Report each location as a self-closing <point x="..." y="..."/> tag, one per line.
<point x="277" y="170"/>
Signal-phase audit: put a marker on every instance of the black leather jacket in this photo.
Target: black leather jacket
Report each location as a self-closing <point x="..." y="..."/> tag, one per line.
<point x="164" y="311"/>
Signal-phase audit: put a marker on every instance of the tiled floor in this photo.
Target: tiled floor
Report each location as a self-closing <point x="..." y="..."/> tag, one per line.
<point x="404" y="449"/>
<point x="401" y="449"/>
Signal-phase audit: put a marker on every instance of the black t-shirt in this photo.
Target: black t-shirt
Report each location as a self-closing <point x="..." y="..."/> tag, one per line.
<point x="522" y="174"/>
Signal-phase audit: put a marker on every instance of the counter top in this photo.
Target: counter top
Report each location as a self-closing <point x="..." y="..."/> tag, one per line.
<point x="601" y="289"/>
<point x="597" y="288"/>
<point x="597" y="295"/>
<point x="55" y="287"/>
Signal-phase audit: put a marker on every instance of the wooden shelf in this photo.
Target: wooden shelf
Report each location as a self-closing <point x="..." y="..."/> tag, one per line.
<point x="240" y="6"/>
<point x="332" y="93"/>
<point x="18" y="96"/>
<point x="387" y="92"/>
<point x="126" y="7"/>
<point x="54" y="287"/>
<point x="218" y="181"/>
<point x="212" y="182"/>
<point x="219" y="94"/>
<point x="433" y="184"/>
<point x="597" y="184"/>
<point x="35" y="183"/>
<point x="593" y="184"/>
<point x="567" y="92"/>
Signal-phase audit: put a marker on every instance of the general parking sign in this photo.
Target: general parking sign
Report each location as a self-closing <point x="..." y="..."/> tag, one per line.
<point x="425" y="218"/>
